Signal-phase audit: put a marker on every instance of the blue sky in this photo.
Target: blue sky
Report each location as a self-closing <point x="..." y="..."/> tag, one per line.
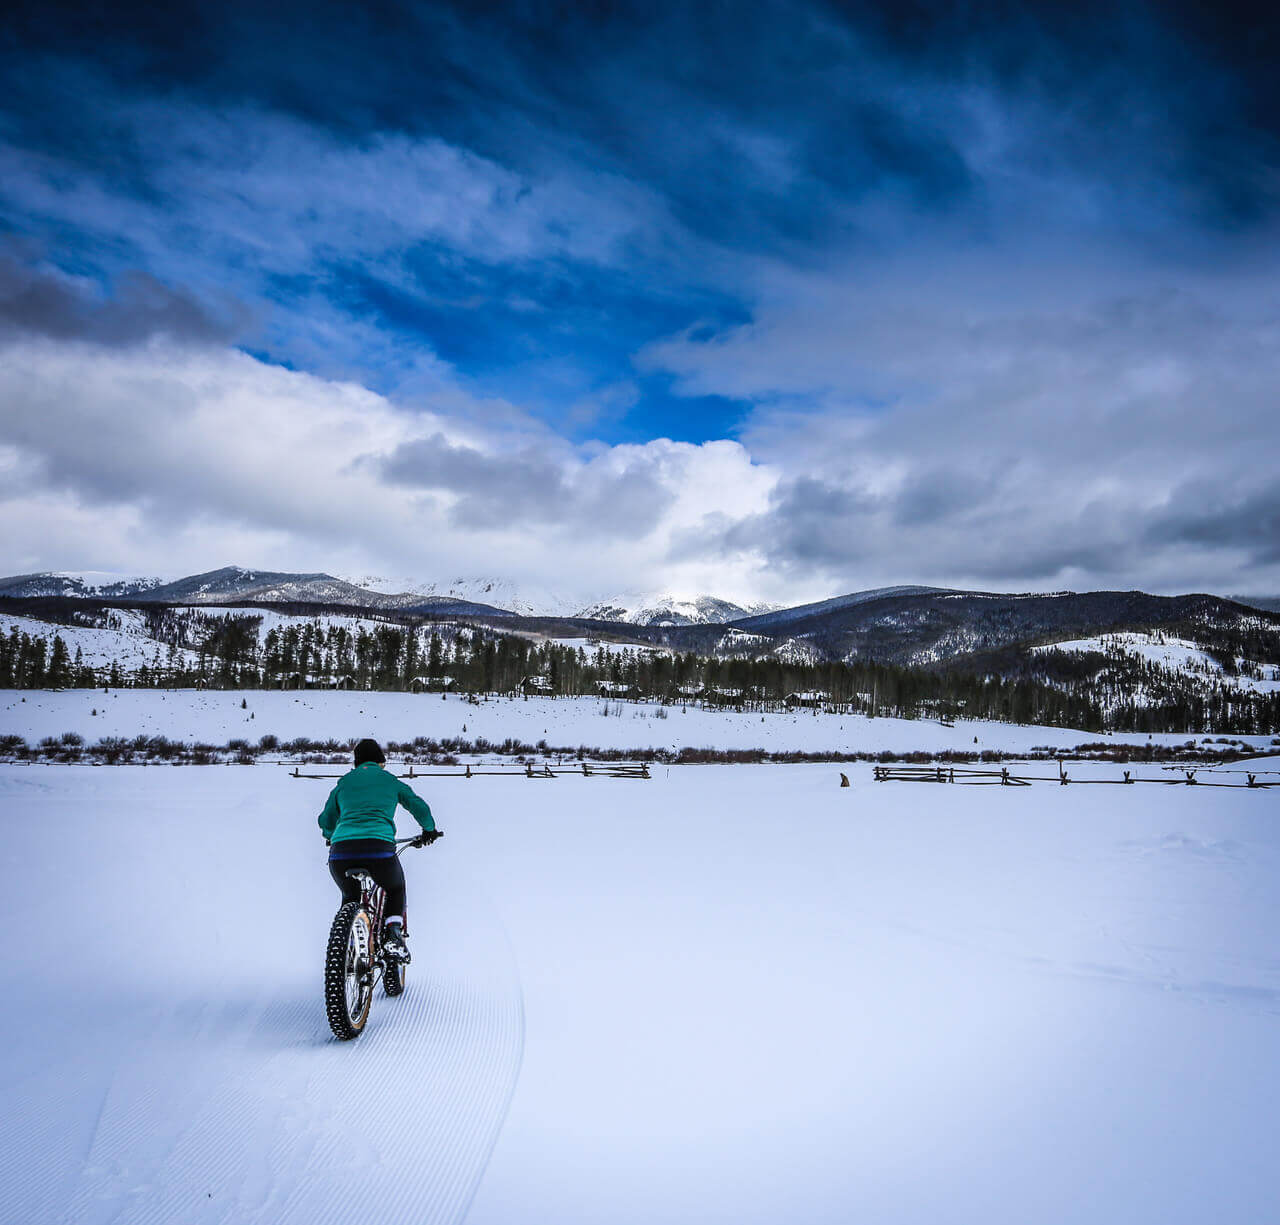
<point x="849" y="241"/>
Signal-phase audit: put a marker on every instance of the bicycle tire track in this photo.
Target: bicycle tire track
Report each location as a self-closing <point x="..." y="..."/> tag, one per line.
<point x="286" y="1124"/>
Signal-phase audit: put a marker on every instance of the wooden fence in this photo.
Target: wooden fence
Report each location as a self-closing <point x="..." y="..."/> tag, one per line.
<point x="1004" y="777"/>
<point x="585" y="769"/>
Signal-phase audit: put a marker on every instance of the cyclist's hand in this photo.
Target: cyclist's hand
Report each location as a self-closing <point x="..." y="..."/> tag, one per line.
<point x="428" y="836"/>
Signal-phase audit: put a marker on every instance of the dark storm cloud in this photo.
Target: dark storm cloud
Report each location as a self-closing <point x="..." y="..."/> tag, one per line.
<point x="531" y="487"/>
<point x="1248" y="523"/>
<point x="698" y="99"/>
<point x="940" y="523"/>
<point x="46" y="303"/>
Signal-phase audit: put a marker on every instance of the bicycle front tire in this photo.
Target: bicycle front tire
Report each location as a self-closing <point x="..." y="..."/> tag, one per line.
<point x="348" y="971"/>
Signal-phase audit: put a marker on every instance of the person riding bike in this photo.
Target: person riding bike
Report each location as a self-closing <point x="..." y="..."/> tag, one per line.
<point x="359" y="827"/>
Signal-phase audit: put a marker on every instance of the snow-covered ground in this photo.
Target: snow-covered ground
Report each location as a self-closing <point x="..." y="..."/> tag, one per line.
<point x="215" y="716"/>
<point x="726" y="995"/>
<point x="592" y="645"/>
<point x="125" y="640"/>
<point x="272" y="620"/>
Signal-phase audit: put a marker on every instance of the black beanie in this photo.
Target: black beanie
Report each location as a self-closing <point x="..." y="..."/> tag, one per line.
<point x="368" y="750"/>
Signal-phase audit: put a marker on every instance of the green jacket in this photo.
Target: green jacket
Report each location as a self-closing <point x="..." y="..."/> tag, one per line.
<point x="363" y="805"/>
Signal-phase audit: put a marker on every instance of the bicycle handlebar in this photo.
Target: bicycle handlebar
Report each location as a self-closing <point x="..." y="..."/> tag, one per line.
<point x="426" y="838"/>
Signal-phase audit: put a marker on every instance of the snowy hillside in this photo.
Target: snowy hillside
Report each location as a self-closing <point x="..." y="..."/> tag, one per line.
<point x="1176" y="655"/>
<point x="124" y="639"/>
<point x="728" y="994"/>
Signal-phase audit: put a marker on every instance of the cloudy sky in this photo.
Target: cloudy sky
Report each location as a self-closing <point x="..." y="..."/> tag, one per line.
<point x="771" y="300"/>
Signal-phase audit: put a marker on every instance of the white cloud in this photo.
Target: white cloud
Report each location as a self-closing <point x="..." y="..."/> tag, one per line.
<point x="1058" y="428"/>
<point x="177" y="459"/>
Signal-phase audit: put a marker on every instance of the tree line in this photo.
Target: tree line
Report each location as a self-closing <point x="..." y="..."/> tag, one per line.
<point x="1097" y="693"/>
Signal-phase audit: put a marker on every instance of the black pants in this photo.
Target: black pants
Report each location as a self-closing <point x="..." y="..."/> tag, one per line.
<point x="371" y="855"/>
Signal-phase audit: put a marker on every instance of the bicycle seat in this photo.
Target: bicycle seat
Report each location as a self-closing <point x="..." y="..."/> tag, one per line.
<point x="360" y="874"/>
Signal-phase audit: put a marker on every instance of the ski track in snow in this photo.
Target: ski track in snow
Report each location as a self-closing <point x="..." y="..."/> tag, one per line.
<point x="753" y="997"/>
<point x="230" y="1101"/>
<point x="305" y="1128"/>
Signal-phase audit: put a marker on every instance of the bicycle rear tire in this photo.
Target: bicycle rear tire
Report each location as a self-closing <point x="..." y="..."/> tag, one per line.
<point x="348" y="971"/>
<point x="393" y="978"/>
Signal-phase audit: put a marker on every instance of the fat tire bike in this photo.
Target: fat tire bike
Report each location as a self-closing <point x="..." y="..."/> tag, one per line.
<point x="354" y="960"/>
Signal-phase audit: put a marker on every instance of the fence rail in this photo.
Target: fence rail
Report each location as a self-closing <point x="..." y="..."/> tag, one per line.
<point x="584" y="769"/>
<point x="1004" y="777"/>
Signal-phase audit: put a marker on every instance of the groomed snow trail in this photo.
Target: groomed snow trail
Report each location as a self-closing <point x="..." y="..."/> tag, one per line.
<point x="177" y="1065"/>
<point x="752" y="996"/>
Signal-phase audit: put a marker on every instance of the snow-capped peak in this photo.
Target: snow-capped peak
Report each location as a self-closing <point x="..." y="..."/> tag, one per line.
<point x="636" y="608"/>
<point x="499" y="593"/>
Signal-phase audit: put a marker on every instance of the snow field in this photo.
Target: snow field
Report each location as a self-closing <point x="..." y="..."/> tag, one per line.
<point x="729" y="994"/>
<point x="215" y="716"/>
<point x="173" y="1062"/>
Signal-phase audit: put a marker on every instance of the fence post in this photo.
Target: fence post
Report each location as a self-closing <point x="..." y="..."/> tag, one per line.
<point x="1004" y="776"/>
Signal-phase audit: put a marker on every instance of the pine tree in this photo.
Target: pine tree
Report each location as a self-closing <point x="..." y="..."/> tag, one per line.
<point x="58" y="675"/>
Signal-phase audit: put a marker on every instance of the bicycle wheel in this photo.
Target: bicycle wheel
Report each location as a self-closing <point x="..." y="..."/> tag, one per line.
<point x="348" y="971"/>
<point x="393" y="979"/>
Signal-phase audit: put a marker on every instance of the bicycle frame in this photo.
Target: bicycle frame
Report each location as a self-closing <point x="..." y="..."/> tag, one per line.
<point x="373" y="899"/>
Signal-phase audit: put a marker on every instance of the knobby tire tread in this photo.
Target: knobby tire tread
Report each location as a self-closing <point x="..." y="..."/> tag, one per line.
<point x="343" y="1024"/>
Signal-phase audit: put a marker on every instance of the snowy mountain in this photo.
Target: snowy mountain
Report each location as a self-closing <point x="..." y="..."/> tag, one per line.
<point x="659" y="610"/>
<point x="489" y="592"/>
<point x="461" y="595"/>
<point x="772" y="618"/>
<point x="86" y="584"/>
<point x="234" y="584"/>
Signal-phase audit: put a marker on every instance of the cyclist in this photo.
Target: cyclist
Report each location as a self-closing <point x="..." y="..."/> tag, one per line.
<point x="359" y="827"/>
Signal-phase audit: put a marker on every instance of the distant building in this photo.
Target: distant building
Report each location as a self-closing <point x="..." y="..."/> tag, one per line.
<point x="432" y="684"/>
<point x="808" y="698"/>
<point x="616" y="689"/>
<point x="537" y="685"/>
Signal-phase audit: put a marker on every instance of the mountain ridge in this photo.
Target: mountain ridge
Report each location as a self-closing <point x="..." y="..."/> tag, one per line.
<point x="907" y="625"/>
